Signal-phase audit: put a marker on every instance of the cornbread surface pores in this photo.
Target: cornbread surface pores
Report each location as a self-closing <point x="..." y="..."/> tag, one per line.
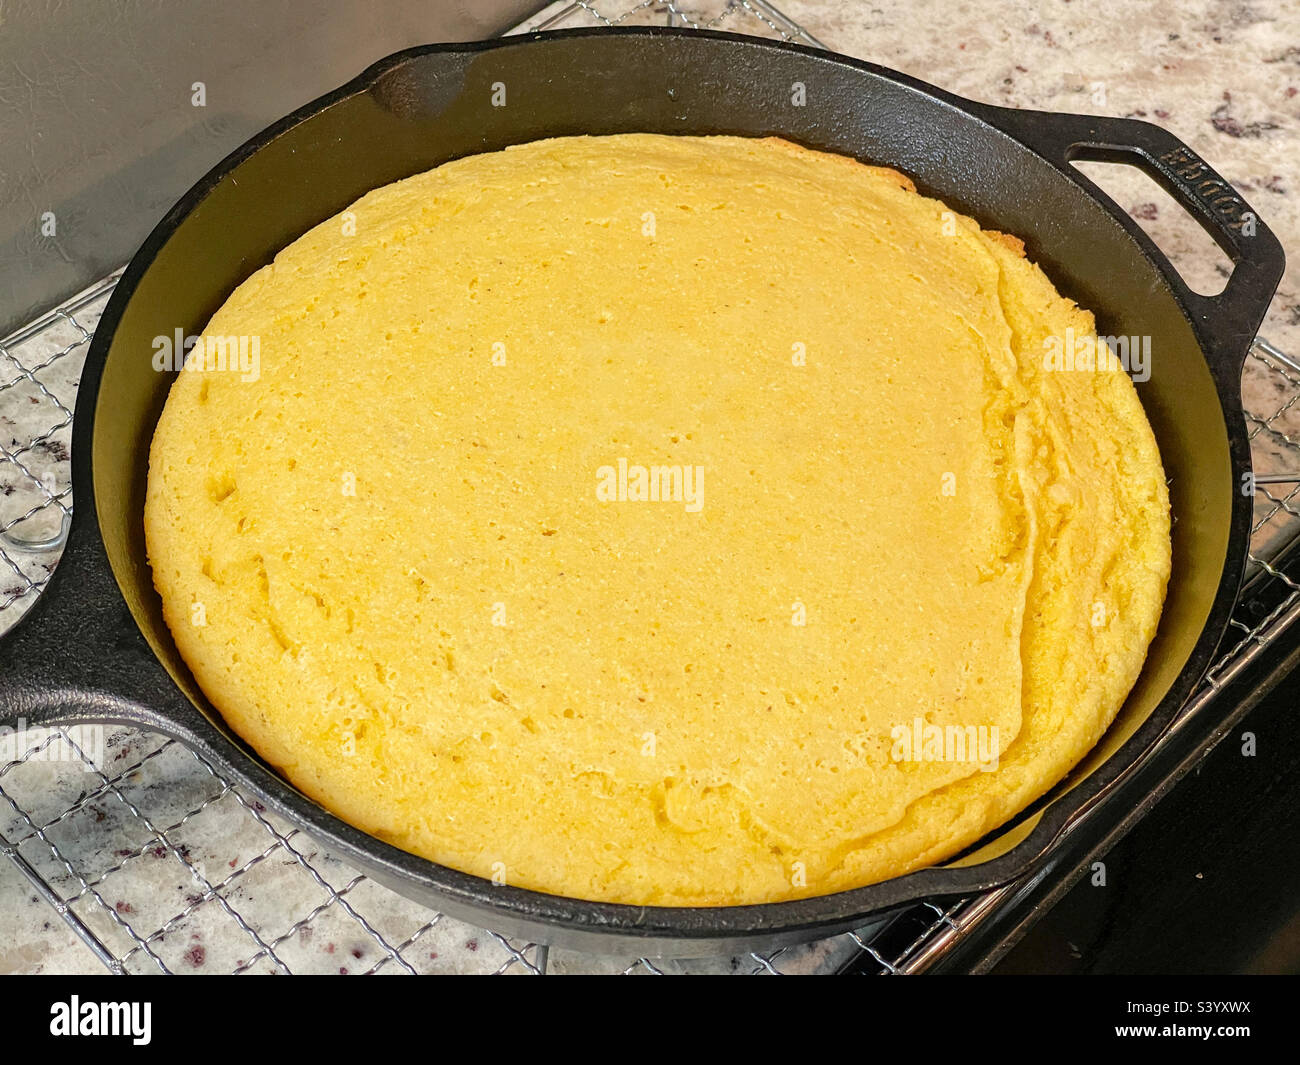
<point x="415" y="605"/>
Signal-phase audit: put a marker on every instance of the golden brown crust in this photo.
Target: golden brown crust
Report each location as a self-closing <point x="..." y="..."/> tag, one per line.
<point x="1013" y="244"/>
<point x="889" y="174"/>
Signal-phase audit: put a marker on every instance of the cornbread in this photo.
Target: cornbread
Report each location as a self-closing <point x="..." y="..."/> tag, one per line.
<point x="607" y="516"/>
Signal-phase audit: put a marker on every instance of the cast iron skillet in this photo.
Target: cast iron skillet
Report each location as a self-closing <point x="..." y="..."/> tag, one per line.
<point x="94" y="647"/>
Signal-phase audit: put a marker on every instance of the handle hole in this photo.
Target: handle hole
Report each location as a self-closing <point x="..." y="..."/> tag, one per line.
<point x="1202" y="264"/>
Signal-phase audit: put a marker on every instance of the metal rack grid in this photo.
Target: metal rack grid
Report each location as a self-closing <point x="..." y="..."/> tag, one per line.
<point x="754" y="17"/>
<point x="159" y="864"/>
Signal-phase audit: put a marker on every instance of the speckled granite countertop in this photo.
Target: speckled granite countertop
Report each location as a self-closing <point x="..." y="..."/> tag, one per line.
<point x="1223" y="76"/>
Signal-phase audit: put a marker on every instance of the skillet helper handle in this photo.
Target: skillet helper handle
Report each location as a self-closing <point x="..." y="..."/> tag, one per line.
<point x="1227" y="322"/>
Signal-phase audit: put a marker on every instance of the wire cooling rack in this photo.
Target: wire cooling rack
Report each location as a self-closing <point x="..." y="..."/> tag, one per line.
<point x="159" y="864"/>
<point x="754" y="17"/>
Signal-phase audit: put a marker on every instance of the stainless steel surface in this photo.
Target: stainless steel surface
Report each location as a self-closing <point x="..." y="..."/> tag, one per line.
<point x="152" y="859"/>
<point x="100" y="126"/>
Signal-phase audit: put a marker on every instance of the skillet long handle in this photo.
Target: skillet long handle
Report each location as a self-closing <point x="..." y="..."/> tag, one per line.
<point x="1227" y="322"/>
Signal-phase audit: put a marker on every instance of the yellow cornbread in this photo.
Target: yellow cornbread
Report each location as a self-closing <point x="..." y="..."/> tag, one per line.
<point x="407" y="558"/>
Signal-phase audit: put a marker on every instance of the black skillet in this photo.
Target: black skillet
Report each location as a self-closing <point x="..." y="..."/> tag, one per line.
<point x="94" y="647"/>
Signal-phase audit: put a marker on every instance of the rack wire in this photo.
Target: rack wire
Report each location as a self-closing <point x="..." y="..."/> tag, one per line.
<point x="757" y="18"/>
<point x="157" y="863"/>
